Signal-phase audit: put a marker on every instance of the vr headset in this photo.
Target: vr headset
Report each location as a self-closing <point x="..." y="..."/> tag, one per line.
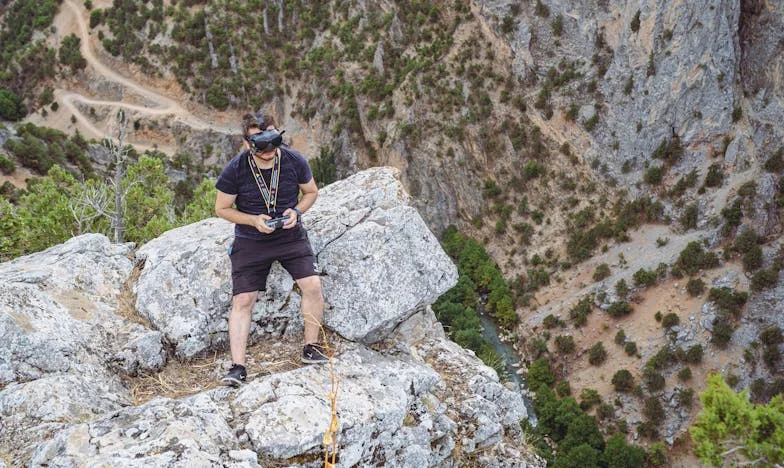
<point x="264" y="141"/>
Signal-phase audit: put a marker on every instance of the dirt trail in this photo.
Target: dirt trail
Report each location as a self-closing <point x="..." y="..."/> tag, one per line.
<point x="72" y="20"/>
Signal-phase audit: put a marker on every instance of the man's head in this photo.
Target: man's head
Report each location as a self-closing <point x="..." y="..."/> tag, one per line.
<point x="260" y="134"/>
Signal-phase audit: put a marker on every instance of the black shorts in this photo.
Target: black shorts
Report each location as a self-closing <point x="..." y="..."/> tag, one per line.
<point x="252" y="259"/>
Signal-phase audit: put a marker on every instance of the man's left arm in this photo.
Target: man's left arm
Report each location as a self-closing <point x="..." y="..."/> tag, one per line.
<point x="309" y="194"/>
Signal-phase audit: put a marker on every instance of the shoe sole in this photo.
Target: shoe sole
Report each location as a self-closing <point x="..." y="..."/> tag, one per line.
<point x="315" y="361"/>
<point x="231" y="382"/>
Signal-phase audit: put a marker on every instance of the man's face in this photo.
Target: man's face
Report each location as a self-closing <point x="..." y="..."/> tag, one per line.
<point x="268" y="154"/>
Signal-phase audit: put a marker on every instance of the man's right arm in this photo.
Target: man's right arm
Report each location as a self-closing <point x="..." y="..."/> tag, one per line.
<point x="224" y="207"/>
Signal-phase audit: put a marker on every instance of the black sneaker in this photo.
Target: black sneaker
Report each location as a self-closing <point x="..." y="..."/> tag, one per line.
<point x="235" y="377"/>
<point x="314" y="354"/>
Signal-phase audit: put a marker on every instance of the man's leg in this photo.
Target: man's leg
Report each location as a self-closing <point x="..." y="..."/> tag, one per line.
<point x="311" y="307"/>
<point x="239" y="324"/>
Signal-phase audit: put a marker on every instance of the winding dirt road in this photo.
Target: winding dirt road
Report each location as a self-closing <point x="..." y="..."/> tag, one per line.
<point x="72" y="17"/>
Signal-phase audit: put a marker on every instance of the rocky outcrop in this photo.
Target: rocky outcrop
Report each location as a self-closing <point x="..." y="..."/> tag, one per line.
<point x="413" y="399"/>
<point x="360" y="227"/>
<point x="62" y="343"/>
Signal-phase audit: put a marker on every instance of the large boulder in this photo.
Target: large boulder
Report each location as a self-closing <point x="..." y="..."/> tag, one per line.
<point x="378" y="260"/>
<point x="61" y="340"/>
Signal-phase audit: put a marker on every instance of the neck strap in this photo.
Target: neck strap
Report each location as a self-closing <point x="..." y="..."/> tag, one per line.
<point x="268" y="193"/>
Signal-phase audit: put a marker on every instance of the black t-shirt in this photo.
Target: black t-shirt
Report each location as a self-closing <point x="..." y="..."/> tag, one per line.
<point x="237" y="179"/>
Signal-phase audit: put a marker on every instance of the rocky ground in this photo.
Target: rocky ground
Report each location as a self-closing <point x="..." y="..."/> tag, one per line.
<point x="89" y="375"/>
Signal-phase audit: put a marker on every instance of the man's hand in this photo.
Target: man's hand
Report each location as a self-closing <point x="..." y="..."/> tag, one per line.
<point x="292" y="221"/>
<point x="261" y="225"/>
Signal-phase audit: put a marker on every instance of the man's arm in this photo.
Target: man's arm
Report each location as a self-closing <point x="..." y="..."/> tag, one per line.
<point x="309" y="194"/>
<point x="224" y="207"/>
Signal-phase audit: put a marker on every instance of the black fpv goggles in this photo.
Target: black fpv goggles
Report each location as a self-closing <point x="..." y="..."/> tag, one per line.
<point x="265" y="140"/>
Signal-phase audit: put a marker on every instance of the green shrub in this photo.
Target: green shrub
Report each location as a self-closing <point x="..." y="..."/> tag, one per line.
<point x="621" y="289"/>
<point x="722" y="332"/>
<point x="563" y="389"/>
<point x="670" y="320"/>
<point x="602" y="272"/>
<point x="539" y="373"/>
<point x="746" y="241"/>
<point x="605" y="411"/>
<point x="508" y="24"/>
<point x="653" y="410"/>
<point x="694" y="354"/>
<point x="565" y="344"/>
<point x="654" y="175"/>
<point x="635" y="23"/>
<point x="590" y="124"/>
<point x="597" y="354"/>
<point x="630" y="347"/>
<point x="715" y="176"/>
<point x="551" y="321"/>
<point x="623" y="381"/>
<point x="557" y="25"/>
<point x="728" y="300"/>
<point x="737" y="113"/>
<point x="771" y="336"/>
<point x="541" y="9"/>
<point x="695" y="287"/>
<point x="589" y="398"/>
<point x="657" y="454"/>
<point x="571" y="113"/>
<point x="771" y="356"/>
<point x="643" y="277"/>
<point x="70" y="55"/>
<point x="764" y="279"/>
<point x="579" y="312"/>
<point x="6" y="165"/>
<point x="619" y="309"/>
<point x="654" y="381"/>
<point x="11" y="107"/>
<point x="684" y="374"/>
<point x="776" y="162"/>
<point x="694" y="258"/>
<point x="648" y="430"/>
<point x="690" y="216"/>
<point x="620" y="337"/>
<point x="686" y="397"/>
<point x="752" y="260"/>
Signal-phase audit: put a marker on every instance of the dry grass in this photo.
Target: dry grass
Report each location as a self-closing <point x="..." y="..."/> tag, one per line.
<point x="126" y="305"/>
<point x="178" y="378"/>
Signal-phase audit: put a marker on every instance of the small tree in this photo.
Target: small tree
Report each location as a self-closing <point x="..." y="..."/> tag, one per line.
<point x="732" y="429"/>
<point x="623" y="381"/>
<point x="597" y="354"/>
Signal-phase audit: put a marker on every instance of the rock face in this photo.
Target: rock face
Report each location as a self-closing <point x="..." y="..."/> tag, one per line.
<point x="378" y="260"/>
<point x="62" y="343"/>
<point x="415" y="399"/>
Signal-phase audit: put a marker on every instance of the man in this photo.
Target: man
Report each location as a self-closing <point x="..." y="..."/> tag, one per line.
<point x="259" y="185"/>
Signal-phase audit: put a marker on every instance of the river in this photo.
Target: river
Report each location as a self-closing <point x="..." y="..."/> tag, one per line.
<point x="510" y="357"/>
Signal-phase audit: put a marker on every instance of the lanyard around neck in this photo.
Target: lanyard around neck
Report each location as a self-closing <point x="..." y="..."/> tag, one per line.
<point x="269" y="194"/>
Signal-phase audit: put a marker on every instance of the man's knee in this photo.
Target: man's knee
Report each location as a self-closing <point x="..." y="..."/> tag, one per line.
<point x="243" y="302"/>
<point x="310" y="286"/>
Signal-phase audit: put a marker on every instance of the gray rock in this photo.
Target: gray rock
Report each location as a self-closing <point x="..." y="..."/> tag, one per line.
<point x="32" y="411"/>
<point x="184" y="289"/>
<point x="360" y="227"/>
<point x="191" y="431"/>
<point x="60" y="308"/>
<point x="764" y="216"/>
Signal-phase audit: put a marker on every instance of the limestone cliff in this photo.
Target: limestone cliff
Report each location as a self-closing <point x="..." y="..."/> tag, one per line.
<point x="407" y="395"/>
